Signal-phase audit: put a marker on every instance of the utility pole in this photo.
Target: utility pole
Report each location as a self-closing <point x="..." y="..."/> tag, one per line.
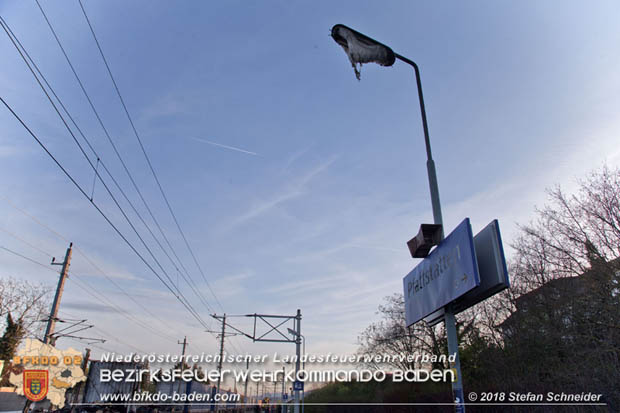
<point x="184" y="343"/>
<point x="245" y="392"/>
<point x="222" y="335"/>
<point x="219" y="365"/>
<point x="283" y="389"/>
<point x="298" y="352"/>
<point x="51" y="324"/>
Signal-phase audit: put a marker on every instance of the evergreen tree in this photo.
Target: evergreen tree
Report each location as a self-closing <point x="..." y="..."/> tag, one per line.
<point x="11" y="338"/>
<point x="8" y="344"/>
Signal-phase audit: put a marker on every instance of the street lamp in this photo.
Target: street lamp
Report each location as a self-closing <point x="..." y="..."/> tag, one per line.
<point x="362" y="49"/>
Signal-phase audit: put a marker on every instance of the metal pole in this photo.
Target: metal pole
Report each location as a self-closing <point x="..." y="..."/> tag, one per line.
<point x="453" y="344"/>
<point x="184" y="343"/>
<point x="245" y="392"/>
<point x="453" y="348"/>
<point x="303" y="392"/>
<point x="297" y="351"/>
<point x="430" y="163"/>
<point x="219" y="366"/>
<point x="283" y="388"/>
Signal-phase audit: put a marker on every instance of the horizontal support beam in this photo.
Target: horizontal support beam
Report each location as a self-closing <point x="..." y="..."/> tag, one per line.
<point x="274" y="340"/>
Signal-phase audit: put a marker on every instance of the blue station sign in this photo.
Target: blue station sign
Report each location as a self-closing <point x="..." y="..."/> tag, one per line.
<point x="448" y="272"/>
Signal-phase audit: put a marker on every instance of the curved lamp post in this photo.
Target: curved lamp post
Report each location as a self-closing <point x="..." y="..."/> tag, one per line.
<point x="363" y="49"/>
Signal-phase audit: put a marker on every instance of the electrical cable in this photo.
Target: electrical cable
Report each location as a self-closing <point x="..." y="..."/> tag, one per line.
<point x="87" y="258"/>
<point x="145" y="153"/>
<point x="180" y="294"/>
<point x="98" y="296"/>
<point x="123" y="237"/>
<point x="82" y="87"/>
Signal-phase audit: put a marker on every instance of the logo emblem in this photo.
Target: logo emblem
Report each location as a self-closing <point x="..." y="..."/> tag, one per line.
<point x="36" y="384"/>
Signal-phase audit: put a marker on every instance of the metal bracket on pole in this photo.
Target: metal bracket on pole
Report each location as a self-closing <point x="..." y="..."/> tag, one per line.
<point x="74" y="326"/>
<point x="428" y="236"/>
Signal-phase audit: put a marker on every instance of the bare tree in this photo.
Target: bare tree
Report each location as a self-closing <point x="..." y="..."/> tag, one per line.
<point x="27" y="302"/>
<point x="572" y="232"/>
<point x="564" y="304"/>
<point x="391" y="337"/>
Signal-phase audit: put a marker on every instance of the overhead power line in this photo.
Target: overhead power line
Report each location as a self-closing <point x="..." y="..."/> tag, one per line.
<point x="26" y="242"/>
<point x="179" y="295"/>
<point x="86" y="257"/>
<point x="84" y="286"/>
<point x="123" y="237"/>
<point x="102" y="299"/>
<point x="26" y="258"/>
<point x="190" y="282"/>
<point x="148" y="160"/>
<point x="133" y="127"/>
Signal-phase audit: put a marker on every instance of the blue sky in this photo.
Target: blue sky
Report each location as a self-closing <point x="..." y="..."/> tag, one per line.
<point x="519" y="96"/>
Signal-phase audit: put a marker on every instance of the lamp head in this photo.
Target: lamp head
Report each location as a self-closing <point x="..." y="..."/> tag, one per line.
<point x="361" y="48"/>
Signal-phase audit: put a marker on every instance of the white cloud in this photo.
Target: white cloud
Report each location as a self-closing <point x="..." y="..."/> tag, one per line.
<point x="294" y="190"/>
<point x="232" y="285"/>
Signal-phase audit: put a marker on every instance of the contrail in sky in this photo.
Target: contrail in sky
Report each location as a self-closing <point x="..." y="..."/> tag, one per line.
<point x="232" y="148"/>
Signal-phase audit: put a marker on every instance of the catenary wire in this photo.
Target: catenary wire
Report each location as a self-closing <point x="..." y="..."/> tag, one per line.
<point x="105" y="61"/>
<point x="180" y="294"/>
<point x="26" y="242"/>
<point x="146" y="155"/>
<point x="10" y="32"/>
<point x="123" y="237"/>
<point x="88" y="259"/>
<point x="140" y="143"/>
<point x="190" y="282"/>
<point x="176" y="221"/>
<point x="109" y="138"/>
<point x="98" y="296"/>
